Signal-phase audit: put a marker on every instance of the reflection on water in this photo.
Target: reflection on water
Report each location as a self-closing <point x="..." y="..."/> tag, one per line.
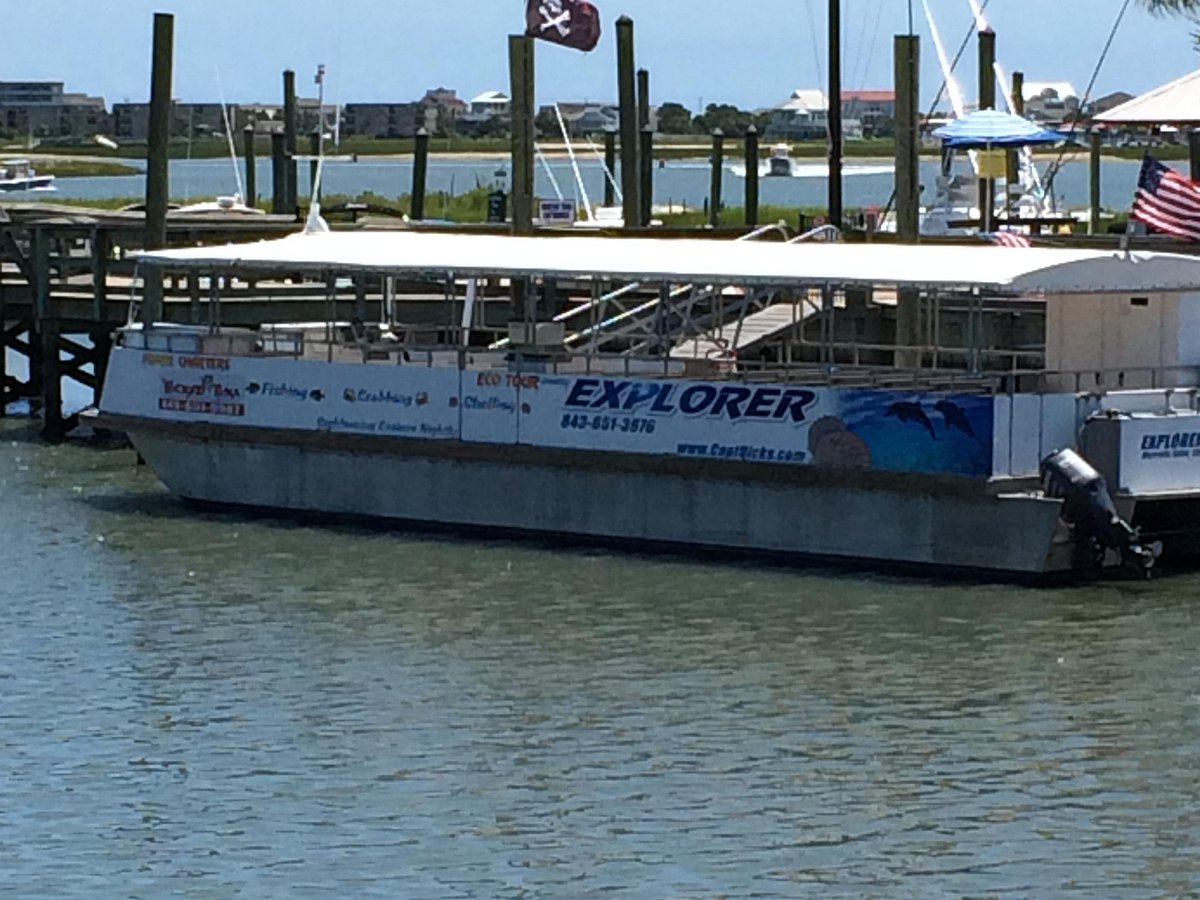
<point x="214" y="705"/>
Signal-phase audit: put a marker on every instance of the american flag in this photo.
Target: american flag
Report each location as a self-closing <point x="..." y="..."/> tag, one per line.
<point x="1008" y="239"/>
<point x="1166" y="201"/>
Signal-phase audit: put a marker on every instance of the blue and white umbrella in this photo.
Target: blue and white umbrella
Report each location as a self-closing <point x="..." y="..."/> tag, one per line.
<point x="992" y="128"/>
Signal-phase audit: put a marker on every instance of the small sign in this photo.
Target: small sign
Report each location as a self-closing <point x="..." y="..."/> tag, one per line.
<point x="497" y="206"/>
<point x="557" y="212"/>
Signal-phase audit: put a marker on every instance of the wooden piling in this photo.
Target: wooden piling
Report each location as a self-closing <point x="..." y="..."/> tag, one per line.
<point x="835" y="113"/>
<point x="1194" y="154"/>
<point x="987" y="100"/>
<point x="48" y="376"/>
<point x="751" y="201"/>
<point x="1094" y="183"/>
<point x="248" y="151"/>
<point x="33" y="387"/>
<point x="906" y="55"/>
<point x="420" y="174"/>
<point x="643" y="98"/>
<point x="279" y="202"/>
<point x="610" y="163"/>
<point x="54" y="426"/>
<point x="291" y="127"/>
<point x="627" y="101"/>
<point x="1012" y="166"/>
<point x="159" y="136"/>
<point x="521" y="76"/>
<point x="100" y="334"/>
<point x="645" y="148"/>
<point x="718" y="166"/>
<point x="646" y="186"/>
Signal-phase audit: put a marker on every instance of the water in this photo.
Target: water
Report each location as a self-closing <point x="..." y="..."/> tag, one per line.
<point x="216" y="706"/>
<point x="679" y="182"/>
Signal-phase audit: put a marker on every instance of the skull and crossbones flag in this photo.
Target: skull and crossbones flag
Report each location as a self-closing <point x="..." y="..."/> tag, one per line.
<point x="572" y="23"/>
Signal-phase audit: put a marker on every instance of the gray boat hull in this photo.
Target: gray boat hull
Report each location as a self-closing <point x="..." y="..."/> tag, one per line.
<point x="633" y="500"/>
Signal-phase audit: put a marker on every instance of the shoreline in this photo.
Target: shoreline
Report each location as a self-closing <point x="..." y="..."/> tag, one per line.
<point x="869" y="152"/>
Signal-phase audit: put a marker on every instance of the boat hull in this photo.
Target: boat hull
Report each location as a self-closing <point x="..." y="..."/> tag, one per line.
<point x="37" y="183"/>
<point x="607" y="497"/>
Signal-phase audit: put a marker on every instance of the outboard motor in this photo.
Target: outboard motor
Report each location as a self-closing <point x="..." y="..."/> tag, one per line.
<point x="1088" y="507"/>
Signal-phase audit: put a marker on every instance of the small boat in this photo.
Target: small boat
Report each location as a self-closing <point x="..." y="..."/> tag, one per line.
<point x="780" y="164"/>
<point x="17" y="175"/>
<point x="222" y="205"/>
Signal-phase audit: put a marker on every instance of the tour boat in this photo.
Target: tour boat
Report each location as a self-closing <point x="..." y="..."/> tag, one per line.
<point x="1020" y="411"/>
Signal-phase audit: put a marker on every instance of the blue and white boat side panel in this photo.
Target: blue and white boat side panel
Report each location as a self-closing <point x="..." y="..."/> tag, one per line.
<point x="773" y="423"/>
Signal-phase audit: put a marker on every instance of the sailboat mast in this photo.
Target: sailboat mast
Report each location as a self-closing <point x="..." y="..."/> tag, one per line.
<point x="835" y="113"/>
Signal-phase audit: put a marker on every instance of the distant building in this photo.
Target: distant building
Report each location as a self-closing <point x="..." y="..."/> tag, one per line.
<point x="1107" y="102"/>
<point x="443" y="109"/>
<point x="486" y="114"/>
<point x="310" y="114"/>
<point x="584" y="117"/>
<point x="200" y="119"/>
<point x="874" y="110"/>
<point x="267" y="118"/>
<point x="44" y="109"/>
<point x="131" y="121"/>
<point x="25" y="93"/>
<point x="1051" y="103"/>
<point x="802" y="116"/>
<point x="445" y="100"/>
<point x="387" y="120"/>
<point x="490" y="104"/>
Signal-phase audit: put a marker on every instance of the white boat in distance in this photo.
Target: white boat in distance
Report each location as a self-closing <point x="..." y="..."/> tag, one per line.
<point x="18" y="175"/>
<point x="221" y="205"/>
<point x="781" y="164"/>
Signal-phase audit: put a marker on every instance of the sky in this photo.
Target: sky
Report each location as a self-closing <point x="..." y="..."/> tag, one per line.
<point x="752" y="54"/>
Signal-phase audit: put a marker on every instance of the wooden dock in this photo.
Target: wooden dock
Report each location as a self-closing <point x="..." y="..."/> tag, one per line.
<point x="67" y="275"/>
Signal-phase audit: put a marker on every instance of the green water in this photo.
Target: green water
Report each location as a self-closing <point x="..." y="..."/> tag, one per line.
<point x="215" y="706"/>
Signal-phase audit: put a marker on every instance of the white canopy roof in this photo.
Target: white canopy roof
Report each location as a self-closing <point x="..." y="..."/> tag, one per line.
<point x="1177" y="103"/>
<point x="744" y="263"/>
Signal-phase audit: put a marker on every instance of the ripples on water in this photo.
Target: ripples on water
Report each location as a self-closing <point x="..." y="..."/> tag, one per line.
<point x="216" y="706"/>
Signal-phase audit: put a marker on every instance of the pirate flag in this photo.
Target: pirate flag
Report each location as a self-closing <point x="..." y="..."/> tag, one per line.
<point x="572" y="23"/>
